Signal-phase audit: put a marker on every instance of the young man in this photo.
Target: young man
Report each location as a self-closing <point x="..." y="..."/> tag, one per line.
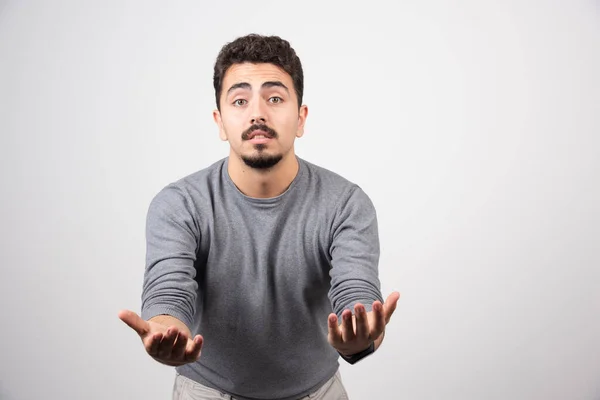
<point x="262" y="253"/>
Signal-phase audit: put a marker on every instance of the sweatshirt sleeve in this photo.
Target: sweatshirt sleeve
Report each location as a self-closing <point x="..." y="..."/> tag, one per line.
<point x="354" y="254"/>
<point x="172" y="237"/>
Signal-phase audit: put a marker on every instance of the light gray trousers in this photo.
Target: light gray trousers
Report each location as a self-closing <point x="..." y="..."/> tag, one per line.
<point x="187" y="389"/>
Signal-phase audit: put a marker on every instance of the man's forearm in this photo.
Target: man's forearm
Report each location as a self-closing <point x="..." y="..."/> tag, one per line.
<point x="168" y="320"/>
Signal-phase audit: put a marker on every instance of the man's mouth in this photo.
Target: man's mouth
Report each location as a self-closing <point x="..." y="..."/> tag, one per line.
<point x="259" y="139"/>
<point x="258" y="134"/>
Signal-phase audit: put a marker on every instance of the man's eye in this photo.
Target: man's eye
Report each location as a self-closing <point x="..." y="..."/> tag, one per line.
<point x="276" y="99"/>
<point x="239" y="102"/>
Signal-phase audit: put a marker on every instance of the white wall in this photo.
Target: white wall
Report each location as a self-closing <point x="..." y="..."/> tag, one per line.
<point x="473" y="125"/>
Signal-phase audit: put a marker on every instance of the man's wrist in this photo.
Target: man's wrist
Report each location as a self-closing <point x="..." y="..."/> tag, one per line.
<point x="354" y="358"/>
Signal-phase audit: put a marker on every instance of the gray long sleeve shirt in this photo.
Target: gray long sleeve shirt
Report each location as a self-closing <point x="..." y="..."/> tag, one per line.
<point x="257" y="278"/>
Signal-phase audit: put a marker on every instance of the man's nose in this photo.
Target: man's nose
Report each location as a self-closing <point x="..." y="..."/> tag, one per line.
<point x="258" y="119"/>
<point x="258" y="115"/>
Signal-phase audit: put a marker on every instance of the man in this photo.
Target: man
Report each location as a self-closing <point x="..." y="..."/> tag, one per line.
<point x="261" y="254"/>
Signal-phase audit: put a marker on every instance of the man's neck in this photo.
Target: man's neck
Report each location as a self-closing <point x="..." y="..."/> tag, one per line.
<point x="263" y="183"/>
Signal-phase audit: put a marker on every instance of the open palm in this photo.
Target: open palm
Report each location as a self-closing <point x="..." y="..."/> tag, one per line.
<point x="356" y="333"/>
<point x="168" y="345"/>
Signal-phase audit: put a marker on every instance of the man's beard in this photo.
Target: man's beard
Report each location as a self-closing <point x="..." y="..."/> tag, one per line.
<point x="261" y="160"/>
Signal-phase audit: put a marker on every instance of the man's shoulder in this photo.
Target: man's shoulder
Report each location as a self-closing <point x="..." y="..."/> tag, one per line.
<point x="324" y="175"/>
<point x="199" y="179"/>
<point x="333" y="187"/>
<point x="193" y="186"/>
<point x="328" y="181"/>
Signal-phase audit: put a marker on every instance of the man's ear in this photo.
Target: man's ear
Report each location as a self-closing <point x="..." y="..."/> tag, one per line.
<point x="219" y="122"/>
<point x="302" y="114"/>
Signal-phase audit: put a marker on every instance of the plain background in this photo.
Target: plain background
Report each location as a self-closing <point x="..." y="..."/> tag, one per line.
<point x="473" y="125"/>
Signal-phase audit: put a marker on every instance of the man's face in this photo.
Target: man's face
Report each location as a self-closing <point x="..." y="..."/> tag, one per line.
<point x="259" y="114"/>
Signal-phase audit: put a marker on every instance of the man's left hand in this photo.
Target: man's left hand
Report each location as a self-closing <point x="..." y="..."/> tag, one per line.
<point x="358" y="331"/>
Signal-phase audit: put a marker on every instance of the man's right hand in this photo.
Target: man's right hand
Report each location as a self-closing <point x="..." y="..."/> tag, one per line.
<point x="168" y="345"/>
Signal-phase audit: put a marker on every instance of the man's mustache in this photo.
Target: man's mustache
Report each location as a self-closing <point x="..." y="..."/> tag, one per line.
<point x="270" y="133"/>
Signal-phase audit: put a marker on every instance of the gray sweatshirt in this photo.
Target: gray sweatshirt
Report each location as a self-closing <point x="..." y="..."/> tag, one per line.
<point x="257" y="278"/>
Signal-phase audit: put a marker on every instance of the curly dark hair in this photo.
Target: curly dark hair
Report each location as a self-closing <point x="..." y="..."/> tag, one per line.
<point x="255" y="48"/>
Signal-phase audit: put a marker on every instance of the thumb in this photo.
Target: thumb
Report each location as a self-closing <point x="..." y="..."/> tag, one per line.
<point x="135" y="322"/>
<point x="390" y="305"/>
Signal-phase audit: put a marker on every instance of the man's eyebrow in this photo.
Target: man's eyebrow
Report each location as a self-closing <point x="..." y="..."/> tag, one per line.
<point x="265" y="85"/>
<point x="270" y="84"/>
<point x="239" y="85"/>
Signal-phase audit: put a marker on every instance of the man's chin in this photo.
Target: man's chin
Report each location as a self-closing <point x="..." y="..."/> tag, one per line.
<point x="262" y="161"/>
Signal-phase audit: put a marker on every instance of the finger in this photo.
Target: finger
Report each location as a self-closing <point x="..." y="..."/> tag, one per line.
<point x="362" y="323"/>
<point x="335" y="334"/>
<point x="390" y="305"/>
<point x="347" y="326"/>
<point x="151" y="343"/>
<point x="193" y="349"/>
<point x="379" y="320"/>
<point x="180" y="345"/>
<point x="135" y="322"/>
<point x="166" y="344"/>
